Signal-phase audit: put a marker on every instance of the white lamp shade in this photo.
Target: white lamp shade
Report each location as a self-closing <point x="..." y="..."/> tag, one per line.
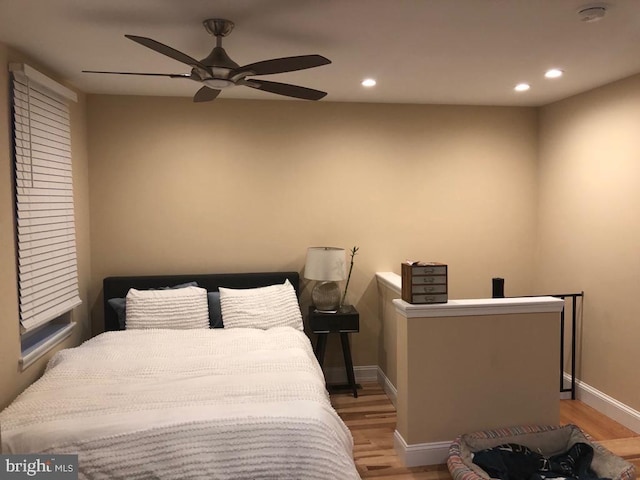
<point x="325" y="264"/>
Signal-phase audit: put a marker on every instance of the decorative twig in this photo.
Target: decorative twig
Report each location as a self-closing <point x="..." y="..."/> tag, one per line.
<point x="354" y="251"/>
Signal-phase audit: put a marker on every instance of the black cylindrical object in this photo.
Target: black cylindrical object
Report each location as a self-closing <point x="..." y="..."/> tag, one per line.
<point x="498" y="287"/>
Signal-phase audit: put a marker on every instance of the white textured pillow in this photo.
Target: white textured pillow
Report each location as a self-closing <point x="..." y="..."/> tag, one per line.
<point x="264" y="307"/>
<point x="181" y="308"/>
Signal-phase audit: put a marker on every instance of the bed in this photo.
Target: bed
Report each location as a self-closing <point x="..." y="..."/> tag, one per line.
<point x="239" y="402"/>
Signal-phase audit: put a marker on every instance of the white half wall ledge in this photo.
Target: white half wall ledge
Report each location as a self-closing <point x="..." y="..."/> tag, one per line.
<point x="480" y="306"/>
<point x="391" y="280"/>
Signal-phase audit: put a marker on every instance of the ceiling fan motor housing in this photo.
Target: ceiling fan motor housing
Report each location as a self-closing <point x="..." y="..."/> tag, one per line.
<point x="219" y="58"/>
<point x="220" y="63"/>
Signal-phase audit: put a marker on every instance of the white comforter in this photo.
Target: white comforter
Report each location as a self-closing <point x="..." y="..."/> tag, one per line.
<point x="178" y="404"/>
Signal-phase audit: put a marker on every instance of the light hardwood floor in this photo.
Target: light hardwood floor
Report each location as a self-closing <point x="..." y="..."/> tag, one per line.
<point x="372" y="420"/>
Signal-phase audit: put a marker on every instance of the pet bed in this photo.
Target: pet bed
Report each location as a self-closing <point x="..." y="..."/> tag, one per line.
<point x="547" y="440"/>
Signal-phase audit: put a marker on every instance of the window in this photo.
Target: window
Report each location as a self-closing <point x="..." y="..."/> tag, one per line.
<point x="47" y="265"/>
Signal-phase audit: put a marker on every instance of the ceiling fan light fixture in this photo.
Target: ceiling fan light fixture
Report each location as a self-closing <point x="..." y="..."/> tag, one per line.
<point x="217" y="83"/>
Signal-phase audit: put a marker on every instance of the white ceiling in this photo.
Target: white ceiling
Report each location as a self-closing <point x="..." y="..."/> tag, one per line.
<point x="420" y="51"/>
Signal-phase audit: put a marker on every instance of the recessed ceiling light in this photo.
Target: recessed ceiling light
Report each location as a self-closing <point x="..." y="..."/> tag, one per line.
<point x="368" y="82"/>
<point x="593" y="13"/>
<point x="553" y="73"/>
<point x="522" y="87"/>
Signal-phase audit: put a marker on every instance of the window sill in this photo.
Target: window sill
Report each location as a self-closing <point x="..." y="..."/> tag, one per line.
<point x="48" y="338"/>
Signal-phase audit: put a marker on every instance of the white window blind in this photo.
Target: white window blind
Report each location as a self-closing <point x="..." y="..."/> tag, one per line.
<point x="47" y="264"/>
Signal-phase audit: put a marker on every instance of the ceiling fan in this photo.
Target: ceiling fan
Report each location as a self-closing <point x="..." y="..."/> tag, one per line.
<point x="217" y="71"/>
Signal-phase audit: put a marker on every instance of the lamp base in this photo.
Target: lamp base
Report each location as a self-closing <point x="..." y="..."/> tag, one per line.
<point x="326" y="297"/>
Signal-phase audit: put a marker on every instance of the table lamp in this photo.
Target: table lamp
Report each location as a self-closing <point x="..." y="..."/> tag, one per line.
<point x="326" y="265"/>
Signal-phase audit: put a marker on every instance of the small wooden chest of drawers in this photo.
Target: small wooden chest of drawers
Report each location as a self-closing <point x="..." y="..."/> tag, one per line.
<point x="424" y="283"/>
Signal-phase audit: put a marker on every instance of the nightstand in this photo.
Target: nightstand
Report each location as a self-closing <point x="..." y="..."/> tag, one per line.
<point x="342" y="322"/>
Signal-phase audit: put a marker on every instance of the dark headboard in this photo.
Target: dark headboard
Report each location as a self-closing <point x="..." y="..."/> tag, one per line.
<point x="115" y="287"/>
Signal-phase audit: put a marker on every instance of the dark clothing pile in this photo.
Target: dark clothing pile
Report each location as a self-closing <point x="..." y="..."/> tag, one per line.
<point x="517" y="462"/>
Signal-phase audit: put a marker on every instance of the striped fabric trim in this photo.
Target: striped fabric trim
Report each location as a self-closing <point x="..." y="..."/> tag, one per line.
<point x="461" y="471"/>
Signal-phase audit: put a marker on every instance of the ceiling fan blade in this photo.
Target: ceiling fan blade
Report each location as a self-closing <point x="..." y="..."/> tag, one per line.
<point x="285" y="64"/>
<point x="285" y="89"/>
<point x="166" y="50"/>
<point x="206" y="94"/>
<point x="172" y="75"/>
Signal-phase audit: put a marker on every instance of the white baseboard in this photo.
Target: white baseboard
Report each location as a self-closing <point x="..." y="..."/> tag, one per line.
<point x="435" y="453"/>
<point x="607" y="405"/>
<point x="389" y="388"/>
<point x="364" y="373"/>
<point x="418" y="454"/>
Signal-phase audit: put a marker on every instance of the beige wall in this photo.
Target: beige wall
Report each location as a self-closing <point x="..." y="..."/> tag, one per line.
<point x="469" y="373"/>
<point x="12" y="380"/>
<point x="249" y="185"/>
<point x="589" y="228"/>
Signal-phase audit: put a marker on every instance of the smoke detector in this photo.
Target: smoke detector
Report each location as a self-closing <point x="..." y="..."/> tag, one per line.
<point x="592" y="14"/>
